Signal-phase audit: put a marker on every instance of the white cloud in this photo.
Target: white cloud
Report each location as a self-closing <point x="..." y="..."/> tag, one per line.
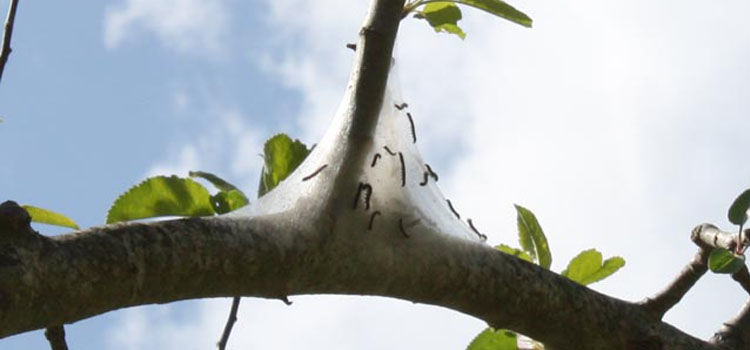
<point x="180" y="101"/>
<point x="619" y="125"/>
<point x="229" y="149"/>
<point x="321" y="322"/>
<point x="182" y="25"/>
<point x="602" y="119"/>
<point x="180" y="162"/>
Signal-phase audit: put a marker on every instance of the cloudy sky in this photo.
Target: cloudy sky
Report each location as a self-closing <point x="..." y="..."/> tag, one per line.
<point x="621" y="124"/>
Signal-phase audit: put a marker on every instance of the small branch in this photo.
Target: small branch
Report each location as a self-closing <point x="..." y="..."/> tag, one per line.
<point x="709" y="236"/>
<point x="735" y="334"/>
<point x="659" y="304"/>
<point x="56" y="337"/>
<point x="230" y="323"/>
<point x="706" y="237"/>
<point x="743" y="278"/>
<point x="5" y="53"/>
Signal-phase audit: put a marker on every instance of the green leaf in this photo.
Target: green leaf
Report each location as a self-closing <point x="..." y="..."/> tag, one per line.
<point x="49" y="217"/>
<point x="532" y="238"/>
<point x="229" y="197"/>
<point x="443" y="17"/>
<point x="724" y="261"/>
<point x="161" y="196"/>
<point x="220" y="183"/>
<point x="226" y="201"/>
<point x="515" y="252"/>
<point x="281" y="156"/>
<point x="738" y="211"/>
<point x="587" y="267"/>
<point x="490" y="339"/>
<point x="500" y="9"/>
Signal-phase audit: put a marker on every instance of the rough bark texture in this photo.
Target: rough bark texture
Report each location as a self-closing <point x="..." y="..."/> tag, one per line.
<point x="59" y="280"/>
<point x="305" y="238"/>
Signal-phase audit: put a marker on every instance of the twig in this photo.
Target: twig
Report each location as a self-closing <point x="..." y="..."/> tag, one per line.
<point x="5" y="53"/>
<point x="56" y="338"/>
<point x="230" y="323"/>
<point x="743" y="278"/>
<point x="709" y="236"/>
<point x="735" y="334"/>
<point x="659" y="304"/>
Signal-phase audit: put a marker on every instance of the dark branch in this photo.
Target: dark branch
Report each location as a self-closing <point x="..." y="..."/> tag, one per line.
<point x="230" y="323"/>
<point x="56" y="338"/>
<point x="76" y="276"/>
<point x="8" y="33"/>
<point x="735" y="334"/>
<point x="743" y="278"/>
<point x="659" y="304"/>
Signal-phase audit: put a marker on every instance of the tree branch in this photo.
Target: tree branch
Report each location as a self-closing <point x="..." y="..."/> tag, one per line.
<point x="709" y="236"/>
<point x="305" y="238"/>
<point x="56" y="338"/>
<point x="735" y="334"/>
<point x="659" y="304"/>
<point x="230" y="323"/>
<point x="67" y="278"/>
<point x="7" y="34"/>
<point x="743" y="278"/>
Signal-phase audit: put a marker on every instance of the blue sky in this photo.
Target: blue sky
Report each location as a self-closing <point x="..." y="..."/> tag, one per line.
<point x="622" y="125"/>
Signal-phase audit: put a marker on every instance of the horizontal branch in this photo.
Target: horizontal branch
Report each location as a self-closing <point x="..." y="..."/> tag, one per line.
<point x="53" y="281"/>
<point x="709" y="236"/>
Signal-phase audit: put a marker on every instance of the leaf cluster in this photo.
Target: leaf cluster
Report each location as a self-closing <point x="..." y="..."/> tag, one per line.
<point x="443" y="16"/>
<point x="724" y="261"/>
<point x="161" y="196"/>
<point x="585" y="268"/>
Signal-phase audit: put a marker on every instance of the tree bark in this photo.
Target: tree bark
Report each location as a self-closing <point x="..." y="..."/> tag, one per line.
<point x="304" y="237"/>
<point x="59" y="280"/>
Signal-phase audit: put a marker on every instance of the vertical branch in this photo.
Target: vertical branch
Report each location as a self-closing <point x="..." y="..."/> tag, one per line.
<point x="56" y="337"/>
<point x="230" y="323"/>
<point x="659" y="304"/>
<point x="7" y="35"/>
<point x="372" y="64"/>
<point x="735" y="333"/>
